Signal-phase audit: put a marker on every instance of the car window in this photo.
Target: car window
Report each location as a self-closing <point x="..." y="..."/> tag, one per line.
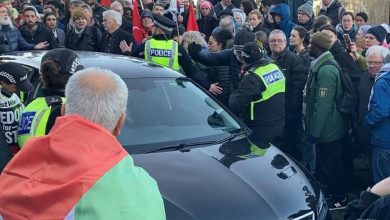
<point x="168" y="111"/>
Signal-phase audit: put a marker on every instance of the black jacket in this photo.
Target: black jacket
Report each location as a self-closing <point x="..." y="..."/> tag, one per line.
<point x="110" y="42"/>
<point x="89" y="40"/>
<point x="369" y="206"/>
<point x="127" y="25"/>
<point x="260" y="27"/>
<point x="346" y="62"/>
<point x="334" y="12"/>
<point x="296" y="75"/>
<point x="98" y="10"/>
<point x="269" y="115"/>
<point x="207" y="25"/>
<point x="41" y="34"/>
<point x="5" y="152"/>
<point x="185" y="63"/>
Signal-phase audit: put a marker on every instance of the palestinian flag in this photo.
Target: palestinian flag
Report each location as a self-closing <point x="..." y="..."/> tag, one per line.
<point x="78" y="171"/>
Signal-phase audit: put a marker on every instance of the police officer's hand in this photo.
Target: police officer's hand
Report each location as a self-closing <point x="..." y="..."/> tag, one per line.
<point x="124" y="47"/>
<point x="194" y="49"/>
<point x="215" y="89"/>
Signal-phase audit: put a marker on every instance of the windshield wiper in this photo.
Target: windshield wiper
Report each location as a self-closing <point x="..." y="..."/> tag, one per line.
<point x="183" y="145"/>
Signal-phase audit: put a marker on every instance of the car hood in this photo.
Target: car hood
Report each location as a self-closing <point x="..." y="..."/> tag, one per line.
<point x="235" y="180"/>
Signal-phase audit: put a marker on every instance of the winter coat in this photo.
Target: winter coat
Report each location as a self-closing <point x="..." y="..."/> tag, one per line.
<point x="351" y="33"/>
<point x="308" y="25"/>
<point x="207" y="25"/>
<point x="88" y="41"/>
<point x="285" y="24"/>
<point x="321" y="117"/>
<point x="260" y="27"/>
<point x="296" y="75"/>
<point x="40" y="35"/>
<point x="110" y="42"/>
<point x="334" y="12"/>
<point x="346" y="62"/>
<point x="127" y="25"/>
<point x="378" y="117"/>
<point x="12" y="40"/>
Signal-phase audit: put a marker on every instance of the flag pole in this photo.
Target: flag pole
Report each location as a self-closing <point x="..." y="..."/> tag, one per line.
<point x="142" y="4"/>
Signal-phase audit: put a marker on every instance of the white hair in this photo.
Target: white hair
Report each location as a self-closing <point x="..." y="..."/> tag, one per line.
<point x="378" y="50"/>
<point x="277" y="31"/>
<point x="98" y="95"/>
<point x="114" y="15"/>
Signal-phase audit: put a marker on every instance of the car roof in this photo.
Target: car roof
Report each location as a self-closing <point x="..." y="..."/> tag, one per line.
<point x="125" y="66"/>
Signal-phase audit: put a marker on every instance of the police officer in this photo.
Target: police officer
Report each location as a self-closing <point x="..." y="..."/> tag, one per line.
<point x="259" y="98"/>
<point x="163" y="50"/>
<point x="38" y="117"/>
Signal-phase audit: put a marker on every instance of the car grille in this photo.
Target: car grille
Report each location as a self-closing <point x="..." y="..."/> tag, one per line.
<point x="307" y="216"/>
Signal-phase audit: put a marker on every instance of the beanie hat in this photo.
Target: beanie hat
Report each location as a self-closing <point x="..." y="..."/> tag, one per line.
<point x="379" y="33"/>
<point x="322" y="40"/>
<point x="226" y="11"/>
<point x="307" y="8"/>
<point x="252" y="52"/>
<point x="146" y="14"/>
<point x="78" y="13"/>
<point x="206" y="4"/>
<point x="242" y="37"/>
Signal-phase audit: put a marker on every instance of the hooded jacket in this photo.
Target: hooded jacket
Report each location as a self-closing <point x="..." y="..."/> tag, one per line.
<point x="285" y="24"/>
<point x="378" y="117"/>
<point x="68" y="175"/>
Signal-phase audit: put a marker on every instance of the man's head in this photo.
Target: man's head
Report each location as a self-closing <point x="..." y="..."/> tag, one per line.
<point x="79" y="18"/>
<point x="319" y="44"/>
<point x="147" y="19"/>
<point x="361" y="19"/>
<point x="13" y="78"/>
<point x="158" y="8"/>
<point x="375" y="36"/>
<point x="227" y="24"/>
<point x="305" y="12"/>
<point x="327" y="3"/>
<point x="57" y="65"/>
<point x="277" y="41"/>
<point x="116" y="6"/>
<point x="331" y="31"/>
<point x="375" y="56"/>
<point x="92" y="89"/>
<point x="30" y="16"/>
<point x="112" y="20"/>
<point x="205" y="8"/>
<point x="4" y="18"/>
<point x="226" y="13"/>
<point x="240" y="39"/>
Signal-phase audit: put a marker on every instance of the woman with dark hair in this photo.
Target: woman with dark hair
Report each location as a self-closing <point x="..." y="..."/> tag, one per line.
<point x="50" y="21"/>
<point x="299" y="42"/>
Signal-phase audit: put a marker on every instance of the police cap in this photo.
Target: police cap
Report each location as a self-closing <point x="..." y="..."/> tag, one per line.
<point x="164" y="23"/>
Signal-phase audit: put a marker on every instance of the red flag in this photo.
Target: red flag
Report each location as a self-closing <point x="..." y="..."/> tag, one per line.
<point x="105" y="3"/>
<point x="191" y="23"/>
<point x="137" y="23"/>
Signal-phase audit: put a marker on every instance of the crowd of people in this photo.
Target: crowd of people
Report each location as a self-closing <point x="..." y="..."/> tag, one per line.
<point x="319" y="89"/>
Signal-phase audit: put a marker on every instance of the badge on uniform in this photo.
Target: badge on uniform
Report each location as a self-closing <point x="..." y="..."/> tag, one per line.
<point x="323" y="92"/>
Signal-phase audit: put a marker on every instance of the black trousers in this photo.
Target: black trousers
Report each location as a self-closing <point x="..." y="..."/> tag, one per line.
<point x="330" y="161"/>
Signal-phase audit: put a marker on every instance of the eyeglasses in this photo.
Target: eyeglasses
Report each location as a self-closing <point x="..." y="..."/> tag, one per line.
<point x="374" y="63"/>
<point x="279" y="41"/>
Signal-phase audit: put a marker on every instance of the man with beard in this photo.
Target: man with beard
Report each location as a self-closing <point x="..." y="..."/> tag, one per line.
<point x="126" y="24"/>
<point x="35" y="32"/>
<point x="10" y="37"/>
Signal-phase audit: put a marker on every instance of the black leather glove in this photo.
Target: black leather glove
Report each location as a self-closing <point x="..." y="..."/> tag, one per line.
<point x="194" y="49"/>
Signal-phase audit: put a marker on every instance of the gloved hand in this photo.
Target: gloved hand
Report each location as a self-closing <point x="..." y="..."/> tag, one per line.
<point x="194" y="49"/>
<point x="312" y="140"/>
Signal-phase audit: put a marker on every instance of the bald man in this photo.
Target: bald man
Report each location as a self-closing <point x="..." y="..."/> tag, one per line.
<point x="79" y="170"/>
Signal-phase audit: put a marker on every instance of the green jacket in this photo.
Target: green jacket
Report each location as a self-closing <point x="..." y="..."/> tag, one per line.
<point x="323" y="87"/>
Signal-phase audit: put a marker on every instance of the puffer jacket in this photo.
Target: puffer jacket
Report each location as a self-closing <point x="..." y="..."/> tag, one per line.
<point x="12" y="40"/>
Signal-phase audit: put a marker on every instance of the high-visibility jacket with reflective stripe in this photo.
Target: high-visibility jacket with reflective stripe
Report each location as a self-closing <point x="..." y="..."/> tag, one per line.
<point x="163" y="52"/>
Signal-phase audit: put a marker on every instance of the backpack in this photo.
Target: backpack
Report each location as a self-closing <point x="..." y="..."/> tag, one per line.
<point x="347" y="103"/>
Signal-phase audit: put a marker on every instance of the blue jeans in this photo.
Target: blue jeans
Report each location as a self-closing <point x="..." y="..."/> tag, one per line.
<point x="380" y="163"/>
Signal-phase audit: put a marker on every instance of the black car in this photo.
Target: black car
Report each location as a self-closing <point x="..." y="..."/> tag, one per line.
<point x="207" y="164"/>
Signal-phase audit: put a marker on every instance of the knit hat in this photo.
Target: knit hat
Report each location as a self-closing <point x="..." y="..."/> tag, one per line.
<point x="252" y="52"/>
<point x="307" y="8"/>
<point x="242" y="37"/>
<point x="206" y="4"/>
<point x="379" y="33"/>
<point x="226" y="11"/>
<point x="322" y="40"/>
<point x="14" y="73"/>
<point x="146" y="14"/>
<point x="68" y="59"/>
<point x="78" y="13"/>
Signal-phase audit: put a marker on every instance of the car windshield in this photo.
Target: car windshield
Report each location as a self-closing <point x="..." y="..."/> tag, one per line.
<point x="169" y="111"/>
